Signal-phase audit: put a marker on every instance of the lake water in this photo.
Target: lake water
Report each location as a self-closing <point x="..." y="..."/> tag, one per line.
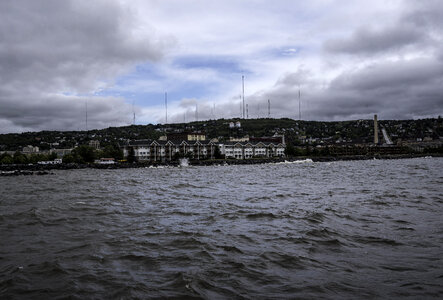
<point x="355" y="229"/>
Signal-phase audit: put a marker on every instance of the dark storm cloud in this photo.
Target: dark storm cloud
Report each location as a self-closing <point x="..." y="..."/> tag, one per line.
<point x="52" y="47"/>
<point x="408" y="86"/>
<point x="366" y="40"/>
<point x="394" y="90"/>
<point x="415" y="27"/>
<point x="62" y="112"/>
<point x="389" y="75"/>
<point x="425" y="14"/>
<point x="400" y="89"/>
<point x="299" y="77"/>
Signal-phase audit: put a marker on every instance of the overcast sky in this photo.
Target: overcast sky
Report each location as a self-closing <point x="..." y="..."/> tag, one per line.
<point x="349" y="59"/>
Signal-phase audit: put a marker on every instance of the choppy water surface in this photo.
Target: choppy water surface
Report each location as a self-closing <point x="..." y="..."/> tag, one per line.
<point x="303" y="230"/>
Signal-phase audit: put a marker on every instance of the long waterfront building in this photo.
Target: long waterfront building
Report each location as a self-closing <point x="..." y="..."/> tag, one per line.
<point x="161" y="150"/>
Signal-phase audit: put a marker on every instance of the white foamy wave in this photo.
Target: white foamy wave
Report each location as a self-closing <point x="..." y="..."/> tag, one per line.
<point x="184" y="162"/>
<point x="302" y="161"/>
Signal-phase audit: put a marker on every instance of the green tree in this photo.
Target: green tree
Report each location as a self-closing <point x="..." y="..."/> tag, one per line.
<point x="84" y="154"/>
<point x="315" y="151"/>
<point x="189" y="155"/>
<point x="131" y="155"/>
<point x="176" y="156"/>
<point x="113" y="151"/>
<point x="325" y="151"/>
<point x="20" y="158"/>
<point x="68" y="159"/>
<point x="52" y="156"/>
<point x="290" y="150"/>
<point x="7" y="159"/>
<point x="34" y="158"/>
<point x="217" y="153"/>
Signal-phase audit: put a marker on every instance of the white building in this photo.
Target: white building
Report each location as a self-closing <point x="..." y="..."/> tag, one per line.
<point x="245" y="150"/>
<point x="105" y="161"/>
<point x="94" y="144"/>
<point x="30" y="149"/>
<point x="51" y="162"/>
<point x="149" y="150"/>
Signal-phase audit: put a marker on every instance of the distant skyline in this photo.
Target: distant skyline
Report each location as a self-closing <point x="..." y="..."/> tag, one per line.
<point x="350" y="59"/>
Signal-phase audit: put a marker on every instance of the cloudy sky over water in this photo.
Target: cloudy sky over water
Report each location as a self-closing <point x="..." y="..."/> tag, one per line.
<point x="350" y="59"/>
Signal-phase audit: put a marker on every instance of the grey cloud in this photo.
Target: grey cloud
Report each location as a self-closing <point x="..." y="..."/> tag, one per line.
<point x="395" y="90"/>
<point x="55" y="47"/>
<point x="205" y="111"/>
<point x="390" y="75"/>
<point x="404" y="89"/>
<point x="188" y="103"/>
<point x="407" y="88"/>
<point x="427" y="14"/>
<point x="366" y="40"/>
<point x="418" y="26"/>
<point x="300" y="77"/>
<point x="66" y="43"/>
<point x="415" y="27"/>
<point x="55" y="112"/>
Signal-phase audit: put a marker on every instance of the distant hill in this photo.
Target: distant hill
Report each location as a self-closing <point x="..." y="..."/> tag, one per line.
<point x="295" y="131"/>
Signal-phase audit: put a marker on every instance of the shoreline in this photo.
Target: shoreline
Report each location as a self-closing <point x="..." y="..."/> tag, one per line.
<point x="36" y="169"/>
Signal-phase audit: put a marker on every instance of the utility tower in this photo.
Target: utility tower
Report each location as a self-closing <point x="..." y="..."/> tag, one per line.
<point x="166" y="107"/>
<point x="299" y="104"/>
<point x="243" y="93"/>
<point x="133" y="113"/>
<point x="375" y="130"/>
<point x="86" y="117"/>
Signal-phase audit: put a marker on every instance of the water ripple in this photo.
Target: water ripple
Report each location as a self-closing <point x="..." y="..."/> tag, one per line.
<point x="368" y="229"/>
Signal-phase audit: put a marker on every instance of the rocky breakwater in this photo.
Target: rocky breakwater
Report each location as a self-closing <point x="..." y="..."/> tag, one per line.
<point x="35" y="169"/>
<point x="23" y="173"/>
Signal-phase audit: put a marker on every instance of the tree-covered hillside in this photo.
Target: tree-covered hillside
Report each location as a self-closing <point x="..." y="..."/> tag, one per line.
<point x="295" y="131"/>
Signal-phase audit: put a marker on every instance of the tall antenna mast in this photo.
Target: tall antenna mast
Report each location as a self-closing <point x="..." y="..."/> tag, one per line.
<point x="166" y="107"/>
<point x="133" y="112"/>
<point x="247" y="112"/>
<point x="299" y="101"/>
<point x="269" y="108"/>
<point x="241" y="108"/>
<point x="243" y="93"/>
<point x="86" y="104"/>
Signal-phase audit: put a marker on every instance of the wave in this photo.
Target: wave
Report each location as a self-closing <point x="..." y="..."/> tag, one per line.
<point x="257" y="231"/>
<point x="261" y="215"/>
<point x="301" y="161"/>
<point x="377" y="240"/>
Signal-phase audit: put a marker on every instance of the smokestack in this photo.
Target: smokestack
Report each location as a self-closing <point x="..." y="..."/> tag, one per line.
<point x="375" y="130"/>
